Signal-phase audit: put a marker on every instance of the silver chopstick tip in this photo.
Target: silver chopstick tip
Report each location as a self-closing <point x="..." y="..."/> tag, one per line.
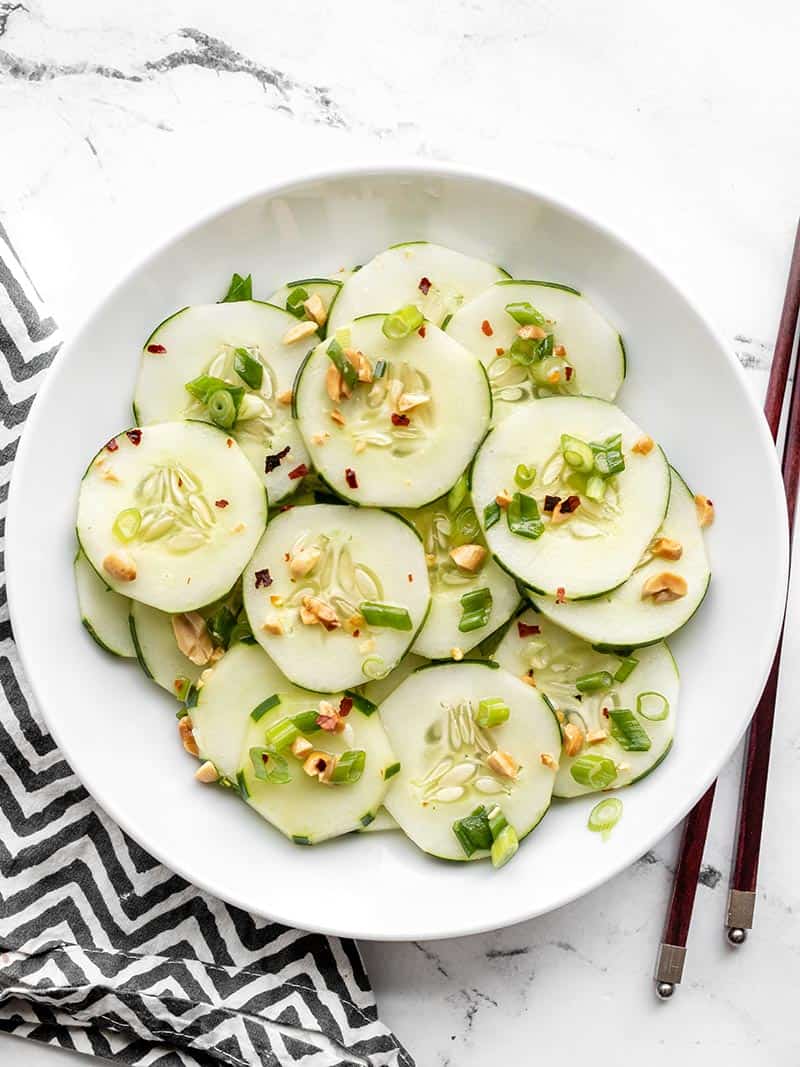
<point x="664" y="990"/>
<point x="736" y="936"/>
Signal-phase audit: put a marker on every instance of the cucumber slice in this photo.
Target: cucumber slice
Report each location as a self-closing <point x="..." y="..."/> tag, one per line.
<point x="382" y="821"/>
<point x="202" y="339"/>
<point x="420" y="720"/>
<point x="555" y="659"/>
<point x="392" y="280"/>
<point x="441" y="533"/>
<point x="288" y="296"/>
<point x="201" y="507"/>
<point x="622" y="619"/>
<point x="594" y="349"/>
<point x="360" y="557"/>
<point x="395" y="458"/>
<point x="598" y="546"/>
<point x="104" y="613"/>
<point x="157" y="652"/>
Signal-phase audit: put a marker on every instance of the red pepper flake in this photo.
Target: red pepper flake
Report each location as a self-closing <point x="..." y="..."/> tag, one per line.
<point x="561" y="594"/>
<point x="350" y="478"/>
<point x="298" y="472"/>
<point x="424" y="286"/>
<point x="551" y="503"/>
<point x="486" y="326"/>
<point x="605" y="712"/>
<point x="157" y="350"/>
<point x="272" y="462"/>
<point x="499" y="351"/>
<point x="572" y="503"/>
<point x="400" y="420"/>
<point x="345" y="705"/>
<point x="356" y="633"/>
<point x="421" y="331"/>
<point x="568" y="372"/>
<point x="286" y="507"/>
<point x="524" y="629"/>
<point x="411" y="577"/>
<point x="221" y="503"/>
<point x="229" y="442"/>
<point x="263" y="579"/>
<point x="112" y="445"/>
<point x="134" y="436"/>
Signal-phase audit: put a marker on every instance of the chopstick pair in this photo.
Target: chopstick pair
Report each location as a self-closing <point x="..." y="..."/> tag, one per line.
<point x="744" y="875"/>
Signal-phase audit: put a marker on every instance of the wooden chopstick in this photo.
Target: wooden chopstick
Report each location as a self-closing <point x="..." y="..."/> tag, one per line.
<point x="741" y="898"/>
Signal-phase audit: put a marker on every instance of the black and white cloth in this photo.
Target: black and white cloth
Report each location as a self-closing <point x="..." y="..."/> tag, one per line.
<point x="102" y="949"/>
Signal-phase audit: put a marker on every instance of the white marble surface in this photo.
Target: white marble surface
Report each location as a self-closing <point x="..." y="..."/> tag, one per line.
<point x="677" y="124"/>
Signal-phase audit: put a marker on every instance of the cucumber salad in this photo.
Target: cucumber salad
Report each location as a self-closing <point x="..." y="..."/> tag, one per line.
<point x="397" y="553"/>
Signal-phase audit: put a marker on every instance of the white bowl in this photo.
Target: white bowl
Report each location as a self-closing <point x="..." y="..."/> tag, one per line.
<point x="119" y="732"/>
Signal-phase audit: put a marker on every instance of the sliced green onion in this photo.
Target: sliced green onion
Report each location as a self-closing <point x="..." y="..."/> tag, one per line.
<point x="349" y="767"/>
<point x="455" y="498"/>
<point x="465" y="527"/>
<point x="497" y="822"/>
<point x="270" y="766"/>
<point x="342" y="335"/>
<point x="525" y="314"/>
<point x="260" y="710"/>
<point x="181" y="685"/>
<point x="652" y="706"/>
<point x="523" y="517"/>
<point x="542" y="370"/>
<point x="524" y="475"/>
<point x="360" y="702"/>
<point x="523" y="352"/>
<point x="390" y="616"/>
<point x="473" y="620"/>
<point x="241" y="631"/>
<point x="590" y="683"/>
<point x="250" y="370"/>
<point x="403" y="322"/>
<point x="628" y="731"/>
<point x="625" y="670"/>
<point x="491" y="514"/>
<point x="492" y="712"/>
<point x="222" y="408"/>
<point x="281" y="735"/>
<point x="204" y="385"/>
<point x="577" y="453"/>
<point x="365" y="820"/>
<point x="596" y="772"/>
<point x="595" y="488"/>
<point x="504" y="847"/>
<point x="239" y="289"/>
<point x="295" y="300"/>
<point x="191" y="696"/>
<point x="220" y="626"/>
<point x="305" y="722"/>
<point x="342" y="363"/>
<point x="241" y="783"/>
<point x="473" y="831"/>
<point x="301" y="839"/>
<point x="391" y="771"/>
<point x="127" y="523"/>
<point x="608" y="458"/>
<point x="379" y="369"/>
<point x="477" y="607"/>
<point x="374" y="667"/>
<point x="605" y="815"/>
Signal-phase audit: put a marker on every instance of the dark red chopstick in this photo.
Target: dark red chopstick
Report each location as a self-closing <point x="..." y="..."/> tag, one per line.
<point x="672" y="951"/>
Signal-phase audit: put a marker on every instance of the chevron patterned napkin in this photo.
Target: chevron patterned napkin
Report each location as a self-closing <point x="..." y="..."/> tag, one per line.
<point x="102" y="949"/>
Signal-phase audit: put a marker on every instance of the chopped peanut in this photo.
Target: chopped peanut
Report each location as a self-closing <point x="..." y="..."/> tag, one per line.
<point x="329" y="718"/>
<point x="355" y="622"/>
<point x="468" y="557"/>
<point x="335" y="384"/>
<point x="644" y="445"/>
<point x="528" y="679"/>
<point x="456" y="654"/>
<point x="531" y="333"/>
<point x="337" y="417"/>
<point x="192" y="637"/>
<point x="320" y="765"/>
<point x="560" y="351"/>
<point x="503" y="499"/>
<point x="238" y="528"/>
<point x="105" y="470"/>
<point x="409" y="401"/>
<point x="204" y="676"/>
<point x="664" y="587"/>
<point x="315" y="309"/>
<point x="548" y="761"/>
<point x="573" y="739"/>
<point x="666" y="548"/>
<point x="120" y="565"/>
<point x="503" y="763"/>
<point x="301" y="746"/>
<point x="430" y="559"/>
<point x="361" y="363"/>
<point x="276" y="600"/>
<point x="187" y="737"/>
<point x="367" y="646"/>
<point x="316" y="610"/>
<point x="359" y="447"/>
<point x="560" y="715"/>
<point x="299" y="332"/>
<point x="207" y="773"/>
<point x="304" y="561"/>
<point x="285" y="397"/>
<point x="594" y="737"/>
<point x="273" y="625"/>
<point x="319" y="438"/>
<point x="705" y="510"/>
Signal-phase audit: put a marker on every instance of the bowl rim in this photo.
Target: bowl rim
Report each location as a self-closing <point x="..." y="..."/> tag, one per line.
<point x="369" y="168"/>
